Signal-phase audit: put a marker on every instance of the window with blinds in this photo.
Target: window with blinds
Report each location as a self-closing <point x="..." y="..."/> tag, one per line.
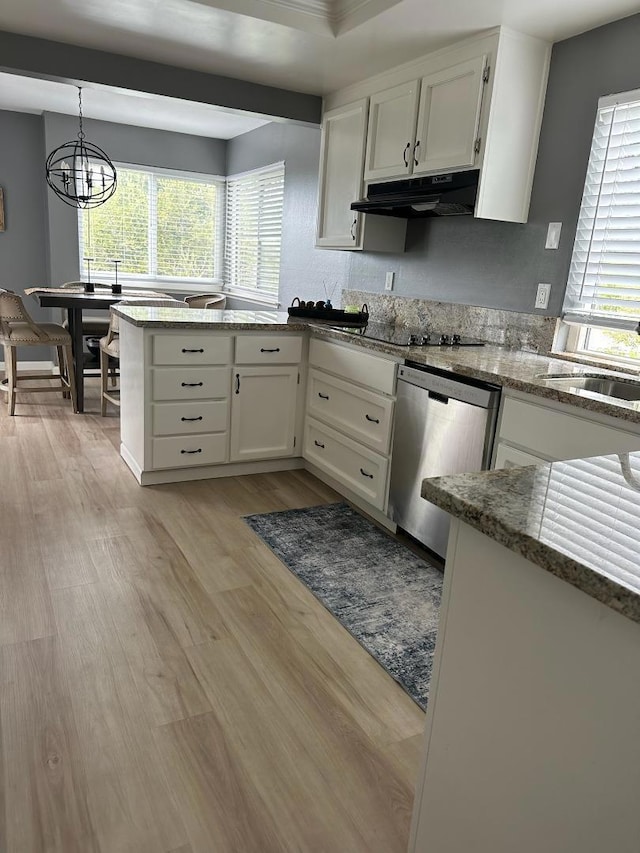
<point x="254" y="230"/>
<point x="162" y="226"/>
<point x="603" y="288"/>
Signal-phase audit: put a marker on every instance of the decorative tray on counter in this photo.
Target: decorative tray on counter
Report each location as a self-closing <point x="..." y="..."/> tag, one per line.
<point x="336" y="315"/>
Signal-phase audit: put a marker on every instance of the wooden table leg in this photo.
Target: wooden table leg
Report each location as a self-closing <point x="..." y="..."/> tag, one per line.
<point x="75" y="330"/>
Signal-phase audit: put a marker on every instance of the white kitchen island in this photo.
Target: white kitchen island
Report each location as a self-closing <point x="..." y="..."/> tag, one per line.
<point x="532" y="738"/>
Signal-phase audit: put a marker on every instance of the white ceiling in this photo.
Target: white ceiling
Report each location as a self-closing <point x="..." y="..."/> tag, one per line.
<point x="32" y="95"/>
<point x="313" y="46"/>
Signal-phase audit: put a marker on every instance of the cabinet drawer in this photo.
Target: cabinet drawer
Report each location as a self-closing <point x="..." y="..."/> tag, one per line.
<point x="361" y="367"/>
<point x="191" y="383"/>
<point x="363" y="415"/>
<point x="268" y="349"/>
<point x="560" y="435"/>
<point x="191" y="349"/>
<point x="185" y="418"/>
<point x="510" y="457"/>
<point x="358" y="468"/>
<point x="181" y="451"/>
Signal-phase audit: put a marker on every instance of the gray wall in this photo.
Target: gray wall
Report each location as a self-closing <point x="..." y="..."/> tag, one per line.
<point x="303" y="269"/>
<point x="499" y="265"/>
<point x="22" y="244"/>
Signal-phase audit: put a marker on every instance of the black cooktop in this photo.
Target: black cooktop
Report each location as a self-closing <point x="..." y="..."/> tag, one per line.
<point x="403" y="336"/>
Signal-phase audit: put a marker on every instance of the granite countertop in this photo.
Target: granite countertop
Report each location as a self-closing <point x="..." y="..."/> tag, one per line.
<point x="579" y="520"/>
<point x="515" y="369"/>
<point x="206" y="318"/>
<point x="521" y="371"/>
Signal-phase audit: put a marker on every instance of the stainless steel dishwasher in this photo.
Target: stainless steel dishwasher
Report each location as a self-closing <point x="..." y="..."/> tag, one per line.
<point x="444" y="424"/>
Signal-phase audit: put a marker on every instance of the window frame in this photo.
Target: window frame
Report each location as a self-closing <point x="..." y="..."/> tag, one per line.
<point x="579" y="321"/>
<point x="152" y="279"/>
<point x="264" y="295"/>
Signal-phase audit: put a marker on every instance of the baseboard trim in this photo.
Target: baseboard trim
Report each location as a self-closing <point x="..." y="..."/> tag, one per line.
<point x="207" y="472"/>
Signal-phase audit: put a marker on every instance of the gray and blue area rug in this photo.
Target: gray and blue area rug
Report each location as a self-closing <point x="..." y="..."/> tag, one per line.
<point x="385" y="595"/>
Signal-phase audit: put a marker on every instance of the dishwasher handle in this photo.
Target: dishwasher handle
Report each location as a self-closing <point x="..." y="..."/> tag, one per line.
<point x="440" y="398"/>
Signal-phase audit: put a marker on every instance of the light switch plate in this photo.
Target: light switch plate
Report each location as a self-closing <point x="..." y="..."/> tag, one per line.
<point x="388" y="281"/>
<point x="542" y="296"/>
<point x="553" y="235"/>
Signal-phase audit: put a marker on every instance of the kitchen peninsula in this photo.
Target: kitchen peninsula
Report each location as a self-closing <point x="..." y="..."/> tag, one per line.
<point x="532" y="725"/>
<point x="218" y="393"/>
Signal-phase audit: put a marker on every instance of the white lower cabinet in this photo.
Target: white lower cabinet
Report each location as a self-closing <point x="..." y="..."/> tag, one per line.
<point x="533" y="431"/>
<point x="198" y="399"/>
<point x="349" y="420"/>
<point x="511" y="457"/>
<point x="362" y="470"/>
<point x="263" y="412"/>
<point x="186" y="450"/>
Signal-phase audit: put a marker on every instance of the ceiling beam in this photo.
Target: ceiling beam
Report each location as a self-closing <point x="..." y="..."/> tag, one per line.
<point x="36" y="57"/>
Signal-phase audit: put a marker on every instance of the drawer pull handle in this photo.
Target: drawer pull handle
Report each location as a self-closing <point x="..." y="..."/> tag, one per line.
<point x="192" y="350"/>
<point x="199" y="418"/>
<point x="237" y="383"/>
<point x="364" y="474"/>
<point x="192" y="384"/>
<point x="262" y="349"/>
<point x="199" y="450"/>
<point x="317" y="444"/>
<point x="323" y="396"/>
<point x="372" y="420"/>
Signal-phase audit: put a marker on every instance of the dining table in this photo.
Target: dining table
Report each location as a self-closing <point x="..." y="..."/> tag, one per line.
<point x="75" y="300"/>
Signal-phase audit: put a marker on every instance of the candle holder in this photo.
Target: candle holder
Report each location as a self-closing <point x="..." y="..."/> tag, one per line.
<point x="115" y="287"/>
<point x="88" y="285"/>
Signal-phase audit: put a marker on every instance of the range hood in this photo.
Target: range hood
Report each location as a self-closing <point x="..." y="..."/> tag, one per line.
<point x="451" y="194"/>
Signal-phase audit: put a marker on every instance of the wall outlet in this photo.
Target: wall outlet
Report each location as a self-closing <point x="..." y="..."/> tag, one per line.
<point x="553" y="235"/>
<point x="388" y="281"/>
<point x="542" y="296"/>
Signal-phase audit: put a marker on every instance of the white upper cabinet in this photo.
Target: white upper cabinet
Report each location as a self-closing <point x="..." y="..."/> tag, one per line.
<point x="476" y="104"/>
<point x="341" y="162"/>
<point x="447" y="135"/>
<point x="391" y="134"/>
<point x="344" y="133"/>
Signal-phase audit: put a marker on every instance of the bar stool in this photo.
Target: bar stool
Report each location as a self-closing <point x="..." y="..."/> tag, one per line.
<point x="17" y="329"/>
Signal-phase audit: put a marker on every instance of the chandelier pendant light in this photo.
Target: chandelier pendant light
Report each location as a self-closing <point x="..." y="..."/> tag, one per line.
<point x="79" y="172"/>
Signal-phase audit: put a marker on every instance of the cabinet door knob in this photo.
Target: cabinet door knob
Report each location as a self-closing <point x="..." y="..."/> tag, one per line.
<point x="323" y="396"/>
<point x="415" y="149"/>
<point x="199" y="418"/>
<point x="364" y="474"/>
<point x="318" y="444"/>
<point x="372" y="420"/>
<point x="237" y="383"/>
<point x="192" y="350"/>
<point x="199" y="450"/>
<point x="404" y="154"/>
<point x="353" y="228"/>
<point x="192" y="384"/>
<point x="262" y="349"/>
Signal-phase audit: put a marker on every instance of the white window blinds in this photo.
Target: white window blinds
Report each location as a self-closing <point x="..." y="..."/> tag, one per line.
<point x="604" y="277"/>
<point x="162" y="225"/>
<point x="254" y="230"/>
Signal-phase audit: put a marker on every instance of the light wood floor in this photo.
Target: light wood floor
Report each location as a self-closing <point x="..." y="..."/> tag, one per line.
<point x="165" y="683"/>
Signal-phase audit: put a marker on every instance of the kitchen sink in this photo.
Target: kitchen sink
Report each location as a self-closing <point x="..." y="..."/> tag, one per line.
<point x="608" y="386"/>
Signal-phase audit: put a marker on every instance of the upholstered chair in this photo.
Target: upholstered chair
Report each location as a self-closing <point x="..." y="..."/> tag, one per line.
<point x="17" y="329"/>
<point x="207" y="300"/>
<point x="110" y="349"/>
